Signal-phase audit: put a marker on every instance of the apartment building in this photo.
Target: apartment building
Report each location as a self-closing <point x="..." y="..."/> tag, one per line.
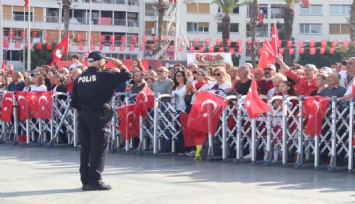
<point x="109" y="17"/>
<point x="322" y="20"/>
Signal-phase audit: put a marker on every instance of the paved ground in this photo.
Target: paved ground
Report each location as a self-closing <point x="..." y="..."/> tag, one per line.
<point x="41" y="175"/>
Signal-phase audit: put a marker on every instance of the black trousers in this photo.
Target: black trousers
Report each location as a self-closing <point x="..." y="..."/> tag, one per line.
<point x="94" y="136"/>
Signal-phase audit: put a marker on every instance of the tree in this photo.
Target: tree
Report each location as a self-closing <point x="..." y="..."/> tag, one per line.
<point x="38" y="57"/>
<point x="352" y="22"/>
<point x="161" y="7"/>
<point x="227" y="7"/>
<point x="289" y="15"/>
<point x="254" y="11"/>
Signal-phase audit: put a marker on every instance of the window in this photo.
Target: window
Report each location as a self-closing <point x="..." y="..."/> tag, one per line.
<point x="277" y="12"/>
<point x="339" y="29"/>
<point x="14" y="55"/>
<point x="262" y="7"/>
<point x="260" y="31"/>
<point x="18" y="16"/>
<point x="197" y="27"/>
<point x="200" y="8"/>
<point x="310" y="28"/>
<point x="312" y="10"/>
<point x="234" y="28"/>
<point x="337" y="9"/>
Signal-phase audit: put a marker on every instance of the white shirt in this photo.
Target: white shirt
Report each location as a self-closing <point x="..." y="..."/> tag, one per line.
<point x="343" y="82"/>
<point x="74" y="66"/>
<point x="179" y="95"/>
<point x="38" y="88"/>
<point x="221" y="90"/>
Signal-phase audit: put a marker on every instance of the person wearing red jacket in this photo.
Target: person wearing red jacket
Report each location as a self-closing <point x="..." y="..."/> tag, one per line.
<point x="306" y="84"/>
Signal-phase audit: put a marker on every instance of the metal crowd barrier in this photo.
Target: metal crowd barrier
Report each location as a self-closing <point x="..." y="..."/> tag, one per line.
<point x="239" y="135"/>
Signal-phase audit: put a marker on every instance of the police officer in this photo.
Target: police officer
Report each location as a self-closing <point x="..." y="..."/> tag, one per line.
<point x="92" y="93"/>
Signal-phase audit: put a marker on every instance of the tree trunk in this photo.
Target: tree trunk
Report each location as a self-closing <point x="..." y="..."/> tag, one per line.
<point x="254" y="9"/>
<point x="226" y="24"/>
<point x="66" y="7"/>
<point x="289" y="16"/>
<point x="161" y="9"/>
<point x="352" y="22"/>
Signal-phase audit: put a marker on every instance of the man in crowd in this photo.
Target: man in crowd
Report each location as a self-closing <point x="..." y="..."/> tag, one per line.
<point x="266" y="83"/>
<point x="243" y="85"/>
<point x="69" y="82"/>
<point x="17" y="83"/>
<point x="304" y="85"/>
<point x="333" y="88"/>
<point x="163" y="85"/>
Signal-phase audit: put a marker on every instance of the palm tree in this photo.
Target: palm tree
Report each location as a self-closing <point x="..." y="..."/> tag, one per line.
<point x="289" y="15"/>
<point x="254" y="11"/>
<point x="352" y="22"/>
<point x="161" y="7"/>
<point x="227" y="7"/>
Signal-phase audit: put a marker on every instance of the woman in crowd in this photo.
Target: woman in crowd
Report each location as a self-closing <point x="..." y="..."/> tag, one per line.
<point x="38" y="83"/>
<point x="28" y="83"/>
<point x="179" y="92"/>
<point x="5" y="81"/>
<point x="321" y="80"/>
<point x="222" y="85"/>
<point x="59" y="86"/>
<point x="137" y="63"/>
<point x="150" y="82"/>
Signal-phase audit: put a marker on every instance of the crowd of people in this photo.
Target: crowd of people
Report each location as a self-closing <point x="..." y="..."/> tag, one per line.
<point x="184" y="83"/>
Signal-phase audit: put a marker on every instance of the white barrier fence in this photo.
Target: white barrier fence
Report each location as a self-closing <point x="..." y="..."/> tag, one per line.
<point x="238" y="134"/>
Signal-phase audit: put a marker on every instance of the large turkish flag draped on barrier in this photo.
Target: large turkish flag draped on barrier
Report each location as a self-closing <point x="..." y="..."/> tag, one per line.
<point x="206" y="111"/>
<point x="129" y="122"/>
<point x="314" y="109"/>
<point x="253" y="103"/>
<point x="191" y="137"/>
<point x="144" y="101"/>
<point x="6" y="107"/>
<point x="23" y="110"/>
<point x="40" y="104"/>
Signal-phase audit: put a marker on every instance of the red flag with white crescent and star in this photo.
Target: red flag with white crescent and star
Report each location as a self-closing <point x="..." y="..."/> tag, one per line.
<point x="206" y="111"/>
<point x="6" y="107"/>
<point x="144" y="101"/>
<point x="23" y="111"/>
<point x="254" y="105"/>
<point x="274" y="39"/>
<point x="314" y="110"/>
<point x="61" y="49"/>
<point x="40" y="104"/>
<point x="191" y="137"/>
<point x="129" y="122"/>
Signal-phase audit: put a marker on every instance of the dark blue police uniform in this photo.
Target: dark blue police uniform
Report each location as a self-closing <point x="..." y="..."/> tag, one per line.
<point x="92" y="90"/>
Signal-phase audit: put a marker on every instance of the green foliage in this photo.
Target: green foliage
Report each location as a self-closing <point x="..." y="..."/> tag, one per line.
<point x="227" y="5"/>
<point x="349" y="52"/>
<point x="38" y="57"/>
<point x="319" y="60"/>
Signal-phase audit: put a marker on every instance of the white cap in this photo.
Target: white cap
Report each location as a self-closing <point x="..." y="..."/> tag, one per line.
<point x="326" y="70"/>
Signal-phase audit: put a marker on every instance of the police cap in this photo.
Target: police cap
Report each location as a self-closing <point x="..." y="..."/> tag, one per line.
<point x="96" y="56"/>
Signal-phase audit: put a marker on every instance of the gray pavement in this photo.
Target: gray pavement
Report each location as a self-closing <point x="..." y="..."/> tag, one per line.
<point x="42" y="175"/>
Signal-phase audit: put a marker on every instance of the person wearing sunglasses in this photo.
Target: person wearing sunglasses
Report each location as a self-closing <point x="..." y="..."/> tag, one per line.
<point x="222" y="85"/>
<point x="163" y="85"/>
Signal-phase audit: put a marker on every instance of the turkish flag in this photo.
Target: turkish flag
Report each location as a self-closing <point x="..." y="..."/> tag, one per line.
<point x="266" y="55"/>
<point x="23" y="111"/>
<point x="192" y="49"/>
<point x="144" y="39"/>
<point x="201" y="49"/>
<point x="40" y="103"/>
<point x="191" y="137"/>
<point x="131" y="47"/>
<point x="142" y="47"/>
<point x="79" y="38"/>
<point x="60" y="50"/>
<point x="17" y="44"/>
<point x="23" y="35"/>
<point x="122" y="47"/>
<point x="101" y="47"/>
<point x="6" y="107"/>
<point x="11" y="34"/>
<point x="49" y="46"/>
<point x="229" y="43"/>
<point x="300" y="43"/>
<point x="6" y="43"/>
<point x="206" y="111"/>
<point x="239" y="43"/>
<point x="353" y="89"/>
<point x="232" y="51"/>
<point x="240" y="50"/>
<point x="253" y="103"/>
<point x="314" y="109"/>
<point x="123" y="38"/>
<point x="155" y="39"/>
<point x="81" y="47"/>
<point x="39" y="46"/>
<point x="291" y="51"/>
<point x="323" y="44"/>
<point x="196" y="41"/>
<point x="312" y="44"/>
<point x="26" y="3"/>
<point x="129" y="122"/>
<point x="289" y="43"/>
<point x="312" y="51"/>
<point x="334" y="44"/>
<point x="112" y="38"/>
<point x="301" y="51"/>
<point x="34" y="34"/>
<point x="102" y="38"/>
<point x="165" y="39"/>
<point x="144" y="101"/>
<point x="305" y="3"/>
<point x="218" y="42"/>
<point x="134" y="39"/>
<point x="274" y="38"/>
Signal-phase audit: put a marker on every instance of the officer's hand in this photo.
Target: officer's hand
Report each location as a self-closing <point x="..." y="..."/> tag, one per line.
<point x="114" y="70"/>
<point x="116" y="62"/>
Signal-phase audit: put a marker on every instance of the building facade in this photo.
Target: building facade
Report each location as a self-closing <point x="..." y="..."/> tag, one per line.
<point x="322" y="20"/>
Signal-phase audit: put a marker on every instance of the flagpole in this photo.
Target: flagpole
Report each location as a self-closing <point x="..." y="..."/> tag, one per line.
<point x="60" y="20"/>
<point x="89" y="37"/>
<point x="24" y="40"/>
<point x="1" y="36"/>
<point x="29" y="37"/>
